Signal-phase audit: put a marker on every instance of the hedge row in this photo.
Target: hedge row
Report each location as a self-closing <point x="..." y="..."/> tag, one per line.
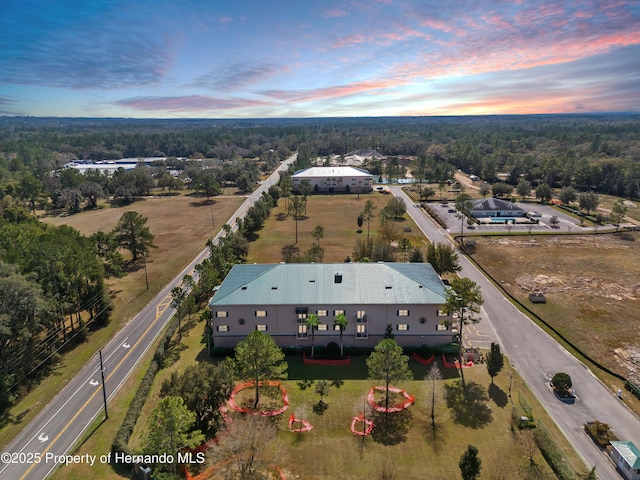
<point x="553" y="455"/>
<point x="633" y="388"/>
<point x="435" y="216"/>
<point x="121" y="441"/>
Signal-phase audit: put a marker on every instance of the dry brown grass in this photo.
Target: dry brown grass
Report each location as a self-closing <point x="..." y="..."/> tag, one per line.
<point x="592" y="285"/>
<point x="338" y="215"/>
<point x="181" y="224"/>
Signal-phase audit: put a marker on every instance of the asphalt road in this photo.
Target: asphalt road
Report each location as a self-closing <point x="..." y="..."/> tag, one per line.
<point x="537" y="357"/>
<point x="42" y="445"/>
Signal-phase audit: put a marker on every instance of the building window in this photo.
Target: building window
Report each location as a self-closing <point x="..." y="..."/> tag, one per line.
<point x="442" y="327"/>
<point x="336" y="327"/>
<point x="338" y="312"/>
<point x="403" y="327"/>
<point x="302" y="331"/>
<point x="321" y="313"/>
<point x="442" y="313"/>
<point x="361" y="331"/>
<point x="221" y="314"/>
<point x="222" y="328"/>
<point x="361" y="316"/>
<point x="261" y="313"/>
<point x="261" y="328"/>
<point x="301" y="314"/>
<point x="403" y="313"/>
<point x="322" y="327"/>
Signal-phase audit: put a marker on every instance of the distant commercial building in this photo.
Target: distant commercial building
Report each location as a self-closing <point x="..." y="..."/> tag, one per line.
<point x="277" y="298"/>
<point x="496" y="207"/>
<point x="334" y="179"/>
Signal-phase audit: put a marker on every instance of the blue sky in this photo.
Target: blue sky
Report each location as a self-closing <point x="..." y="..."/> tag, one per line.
<point x="247" y="59"/>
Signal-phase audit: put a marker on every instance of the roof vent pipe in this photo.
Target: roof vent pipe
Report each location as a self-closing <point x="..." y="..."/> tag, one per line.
<point x="337" y="278"/>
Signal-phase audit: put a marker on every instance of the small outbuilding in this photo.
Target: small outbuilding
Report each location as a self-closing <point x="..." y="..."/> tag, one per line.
<point x="626" y="457"/>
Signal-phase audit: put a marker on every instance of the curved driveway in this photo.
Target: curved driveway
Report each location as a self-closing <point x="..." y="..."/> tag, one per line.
<point x="536" y="356"/>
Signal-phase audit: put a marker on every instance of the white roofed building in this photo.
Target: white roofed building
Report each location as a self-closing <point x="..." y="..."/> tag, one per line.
<point x="334" y="179"/>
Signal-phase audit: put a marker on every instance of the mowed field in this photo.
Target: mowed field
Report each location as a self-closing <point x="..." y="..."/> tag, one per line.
<point x="592" y="286"/>
<point x="338" y="214"/>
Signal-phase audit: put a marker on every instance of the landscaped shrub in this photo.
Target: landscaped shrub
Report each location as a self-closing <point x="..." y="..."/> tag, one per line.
<point x="561" y="381"/>
<point x="600" y="433"/>
<point x="333" y="349"/>
<point x="425" y="351"/>
<point x="633" y="388"/>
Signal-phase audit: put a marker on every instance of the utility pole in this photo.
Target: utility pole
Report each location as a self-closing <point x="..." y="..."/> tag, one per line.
<point x="104" y="387"/>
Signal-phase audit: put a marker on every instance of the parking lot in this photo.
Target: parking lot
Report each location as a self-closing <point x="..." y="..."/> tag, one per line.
<point x="447" y="213"/>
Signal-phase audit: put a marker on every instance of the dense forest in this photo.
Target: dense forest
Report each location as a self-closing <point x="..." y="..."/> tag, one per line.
<point x="52" y="279"/>
<point x="588" y="152"/>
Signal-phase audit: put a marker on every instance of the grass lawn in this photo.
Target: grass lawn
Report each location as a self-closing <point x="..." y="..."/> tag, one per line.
<point x="591" y="283"/>
<point x="182" y="226"/>
<point x="338" y="215"/>
<point x="409" y="446"/>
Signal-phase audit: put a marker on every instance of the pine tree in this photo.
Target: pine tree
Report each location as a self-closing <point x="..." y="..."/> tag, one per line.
<point x="495" y="360"/>
<point x="470" y="464"/>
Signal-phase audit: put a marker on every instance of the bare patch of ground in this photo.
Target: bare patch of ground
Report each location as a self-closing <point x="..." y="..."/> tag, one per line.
<point x="592" y="286"/>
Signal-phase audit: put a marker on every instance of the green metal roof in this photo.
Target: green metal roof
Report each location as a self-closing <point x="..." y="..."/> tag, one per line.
<point x="629" y="452"/>
<point x="315" y="283"/>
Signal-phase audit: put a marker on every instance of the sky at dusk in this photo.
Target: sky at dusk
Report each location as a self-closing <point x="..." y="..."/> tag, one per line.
<point x="308" y="58"/>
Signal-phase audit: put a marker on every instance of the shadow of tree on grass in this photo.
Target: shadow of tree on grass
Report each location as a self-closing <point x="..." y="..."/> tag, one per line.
<point x="498" y="395"/>
<point x="391" y="429"/>
<point x="468" y="404"/>
<point x="435" y="435"/>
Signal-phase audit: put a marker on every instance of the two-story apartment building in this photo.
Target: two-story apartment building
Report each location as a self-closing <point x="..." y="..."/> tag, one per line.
<point x="277" y="298"/>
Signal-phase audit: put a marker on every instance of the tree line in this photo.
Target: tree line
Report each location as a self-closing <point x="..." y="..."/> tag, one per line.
<point x="585" y="152"/>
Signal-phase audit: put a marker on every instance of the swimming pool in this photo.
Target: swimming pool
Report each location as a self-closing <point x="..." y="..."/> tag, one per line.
<point x="504" y="219"/>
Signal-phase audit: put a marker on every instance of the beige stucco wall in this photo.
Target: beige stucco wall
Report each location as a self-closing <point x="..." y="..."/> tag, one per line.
<point x="282" y="326"/>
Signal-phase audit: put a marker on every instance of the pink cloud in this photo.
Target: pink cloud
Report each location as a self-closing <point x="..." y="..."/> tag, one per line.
<point x="336" y="91"/>
<point x="191" y="103"/>
<point x="224" y="19"/>
<point x="335" y="13"/>
<point x="350" y="40"/>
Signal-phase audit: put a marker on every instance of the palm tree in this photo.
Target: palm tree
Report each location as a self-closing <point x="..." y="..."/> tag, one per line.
<point x="342" y="322"/>
<point x="312" y="323"/>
